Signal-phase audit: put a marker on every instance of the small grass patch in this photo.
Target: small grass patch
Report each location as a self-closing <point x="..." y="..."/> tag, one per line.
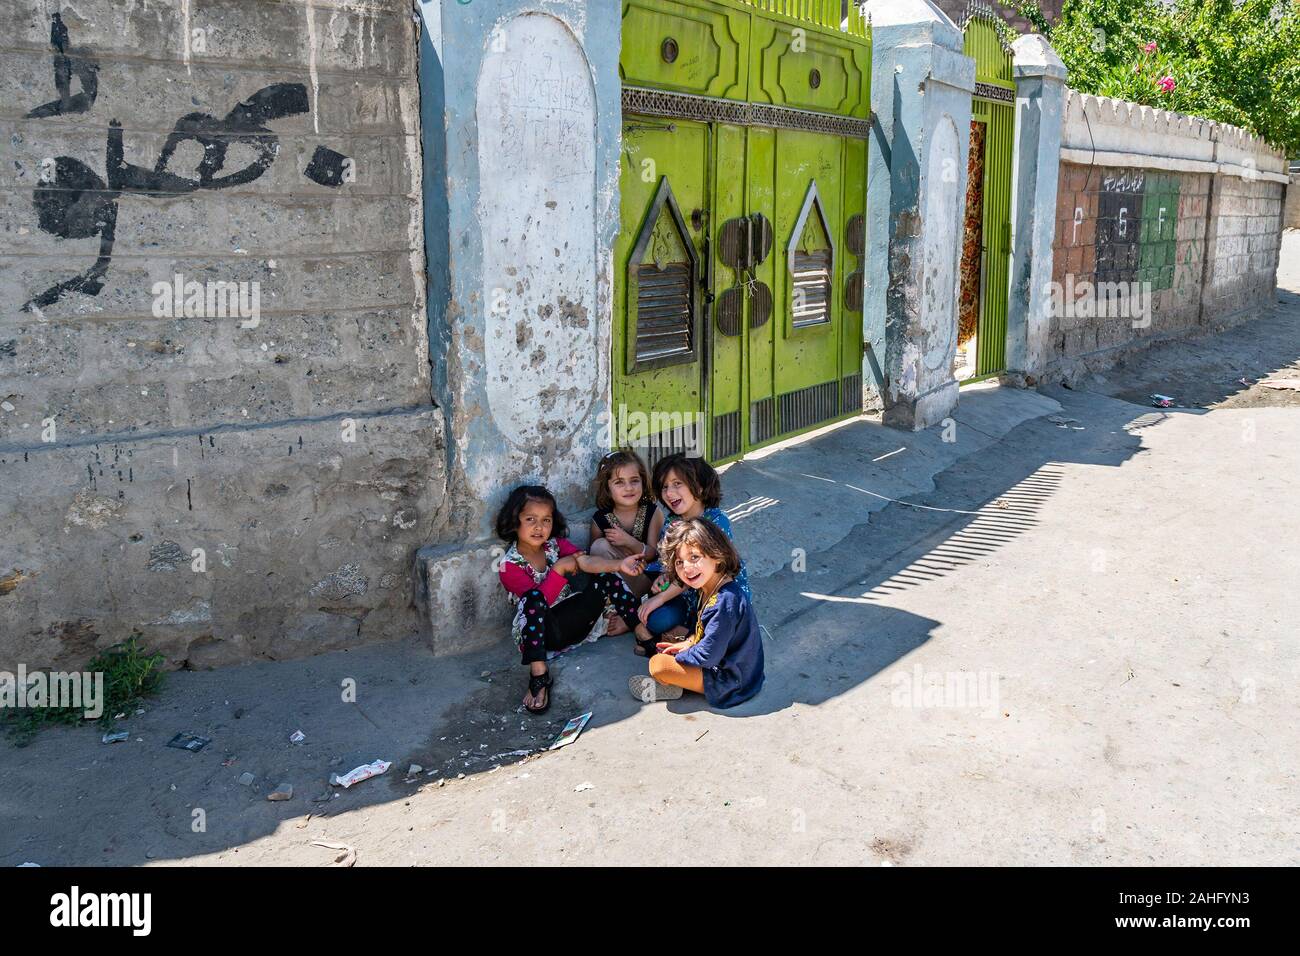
<point x="130" y="675"/>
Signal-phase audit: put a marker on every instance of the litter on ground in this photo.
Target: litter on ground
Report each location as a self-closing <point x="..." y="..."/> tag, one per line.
<point x="347" y="856"/>
<point x="356" y="775"/>
<point x="571" y="730"/>
<point x="191" y="742"/>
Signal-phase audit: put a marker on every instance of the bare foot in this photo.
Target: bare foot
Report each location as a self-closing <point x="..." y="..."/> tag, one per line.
<point x="616" y="626"/>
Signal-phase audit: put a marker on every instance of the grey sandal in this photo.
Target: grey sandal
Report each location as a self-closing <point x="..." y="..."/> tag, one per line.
<point x="648" y="690"/>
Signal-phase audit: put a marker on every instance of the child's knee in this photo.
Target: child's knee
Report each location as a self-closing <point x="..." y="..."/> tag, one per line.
<point x="663" y="619"/>
<point x="662" y="664"/>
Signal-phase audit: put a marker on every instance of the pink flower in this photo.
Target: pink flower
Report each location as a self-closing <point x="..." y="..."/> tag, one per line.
<point x="1150" y="47"/>
<point x="1166" y="83"/>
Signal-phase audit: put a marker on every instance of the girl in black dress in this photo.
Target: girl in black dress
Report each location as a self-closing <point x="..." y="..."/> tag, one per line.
<point x="626" y="521"/>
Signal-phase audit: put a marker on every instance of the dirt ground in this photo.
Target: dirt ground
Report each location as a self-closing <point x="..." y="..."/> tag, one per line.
<point x="1105" y="592"/>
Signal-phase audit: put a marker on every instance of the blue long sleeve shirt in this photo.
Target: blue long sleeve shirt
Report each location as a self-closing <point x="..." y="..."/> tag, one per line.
<point x="730" y="648"/>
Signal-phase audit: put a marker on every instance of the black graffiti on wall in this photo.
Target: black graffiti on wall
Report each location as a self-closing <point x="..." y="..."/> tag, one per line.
<point x="67" y="64"/>
<point x="77" y="204"/>
<point x="1119" y="226"/>
<point x="327" y="167"/>
<point x="73" y="202"/>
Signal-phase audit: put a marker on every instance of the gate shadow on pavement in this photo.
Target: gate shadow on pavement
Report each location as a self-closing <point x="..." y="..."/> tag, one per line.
<point x="836" y="633"/>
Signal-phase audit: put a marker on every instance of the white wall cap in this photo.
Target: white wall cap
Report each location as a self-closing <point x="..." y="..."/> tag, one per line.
<point x="1032" y="55"/>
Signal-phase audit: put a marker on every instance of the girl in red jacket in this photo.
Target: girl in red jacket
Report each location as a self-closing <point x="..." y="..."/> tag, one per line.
<point x="550" y="614"/>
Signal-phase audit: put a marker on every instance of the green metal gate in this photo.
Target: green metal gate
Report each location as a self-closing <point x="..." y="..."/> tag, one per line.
<point x="738" y="269"/>
<point x="993" y="106"/>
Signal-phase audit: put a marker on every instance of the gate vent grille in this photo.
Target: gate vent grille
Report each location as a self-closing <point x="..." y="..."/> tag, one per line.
<point x="809" y="406"/>
<point x="663" y="311"/>
<point x="726" y="436"/>
<point x="851" y="393"/>
<point x="683" y="440"/>
<point x="761" y="425"/>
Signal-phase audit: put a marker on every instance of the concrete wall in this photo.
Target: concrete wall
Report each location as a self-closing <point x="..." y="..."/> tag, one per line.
<point x="921" y="89"/>
<point x="1291" y="218"/>
<point x="531" y="133"/>
<point x="1182" y="214"/>
<point x="292" y="455"/>
<point x="524" y="159"/>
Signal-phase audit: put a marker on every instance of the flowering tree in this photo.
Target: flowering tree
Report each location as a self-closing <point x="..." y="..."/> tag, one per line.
<point x="1235" y="61"/>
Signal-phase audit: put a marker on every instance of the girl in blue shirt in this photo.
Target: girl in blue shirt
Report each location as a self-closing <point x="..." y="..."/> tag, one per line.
<point x="689" y="488"/>
<point x="723" y="657"/>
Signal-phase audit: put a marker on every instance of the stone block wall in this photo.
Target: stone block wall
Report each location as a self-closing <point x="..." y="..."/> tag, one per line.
<point x="1164" y="225"/>
<point x="1119" y="225"/>
<point x="1245" y="245"/>
<point x="216" y="424"/>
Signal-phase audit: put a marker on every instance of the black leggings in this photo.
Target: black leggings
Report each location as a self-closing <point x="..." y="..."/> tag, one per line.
<point x="549" y="628"/>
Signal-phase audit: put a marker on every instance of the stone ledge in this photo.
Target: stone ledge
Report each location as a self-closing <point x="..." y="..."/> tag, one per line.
<point x="460" y="597"/>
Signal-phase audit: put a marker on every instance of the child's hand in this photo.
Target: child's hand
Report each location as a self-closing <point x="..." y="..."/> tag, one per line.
<point x="632" y="566"/>
<point x="567" y="565"/>
<point x="661" y="584"/>
<point x="620" y="538"/>
<point x="648" y="607"/>
<point x="672" y="648"/>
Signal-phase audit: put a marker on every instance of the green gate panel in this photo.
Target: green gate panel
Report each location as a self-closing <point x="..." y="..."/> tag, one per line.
<point x="652" y="155"/>
<point x="742" y="176"/>
<point x="700" y="48"/>
<point x="853" y="264"/>
<point x="986" y="42"/>
<point x="760" y="183"/>
<point x="727" y="333"/>
<point x="823" y="71"/>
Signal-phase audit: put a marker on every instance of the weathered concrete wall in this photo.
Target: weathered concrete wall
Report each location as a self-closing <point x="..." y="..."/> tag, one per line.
<point x="295" y="444"/>
<point x="531" y="132"/>
<point x="526" y="164"/>
<point x="921" y="89"/>
<point x="1291" y="218"/>
<point x="1035" y="184"/>
<point x="1182" y="216"/>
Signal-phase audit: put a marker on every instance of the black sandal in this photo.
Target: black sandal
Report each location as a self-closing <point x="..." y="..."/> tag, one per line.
<point x="539" y="682"/>
<point x="648" y="648"/>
